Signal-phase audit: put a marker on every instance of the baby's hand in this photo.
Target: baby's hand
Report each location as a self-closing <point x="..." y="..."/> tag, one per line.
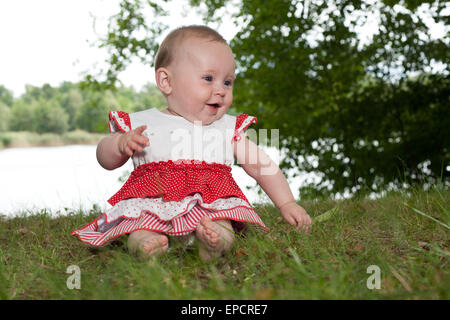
<point x="296" y="216"/>
<point x="133" y="141"/>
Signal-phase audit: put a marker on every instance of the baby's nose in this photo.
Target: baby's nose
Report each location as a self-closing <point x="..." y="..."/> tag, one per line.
<point x="219" y="90"/>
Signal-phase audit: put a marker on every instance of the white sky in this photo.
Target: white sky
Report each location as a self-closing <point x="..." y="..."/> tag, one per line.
<point x="49" y="41"/>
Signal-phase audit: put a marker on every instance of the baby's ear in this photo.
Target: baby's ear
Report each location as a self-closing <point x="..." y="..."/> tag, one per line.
<point x="162" y="77"/>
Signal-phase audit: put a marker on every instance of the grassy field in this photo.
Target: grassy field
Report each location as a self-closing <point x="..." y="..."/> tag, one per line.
<point x="405" y="235"/>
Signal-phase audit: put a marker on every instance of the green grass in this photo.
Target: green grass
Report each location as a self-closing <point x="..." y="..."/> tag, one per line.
<point x="411" y="250"/>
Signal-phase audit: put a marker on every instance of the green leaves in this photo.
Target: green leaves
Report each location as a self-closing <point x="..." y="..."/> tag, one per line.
<point x="71" y="106"/>
<point x="339" y="74"/>
<point x="130" y="35"/>
<point x="320" y="83"/>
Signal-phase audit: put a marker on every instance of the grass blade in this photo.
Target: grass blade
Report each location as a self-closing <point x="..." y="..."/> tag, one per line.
<point x="402" y="280"/>
<point x="427" y="216"/>
<point x="327" y="215"/>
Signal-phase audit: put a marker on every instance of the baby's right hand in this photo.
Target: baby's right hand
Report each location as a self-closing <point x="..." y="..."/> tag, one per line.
<point x="132" y="141"/>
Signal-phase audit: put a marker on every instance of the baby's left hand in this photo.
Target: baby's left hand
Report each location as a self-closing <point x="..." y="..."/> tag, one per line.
<point x="296" y="216"/>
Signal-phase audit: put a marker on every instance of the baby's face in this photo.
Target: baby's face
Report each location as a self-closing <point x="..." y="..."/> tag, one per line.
<point x="202" y="80"/>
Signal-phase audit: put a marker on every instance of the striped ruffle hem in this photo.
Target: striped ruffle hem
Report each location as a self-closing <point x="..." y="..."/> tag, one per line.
<point x="181" y="225"/>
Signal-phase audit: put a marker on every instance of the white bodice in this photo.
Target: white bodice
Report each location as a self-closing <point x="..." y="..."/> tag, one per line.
<point x="174" y="138"/>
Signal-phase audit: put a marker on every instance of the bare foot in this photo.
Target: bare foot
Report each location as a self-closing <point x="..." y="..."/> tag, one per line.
<point x="148" y="243"/>
<point x="214" y="237"/>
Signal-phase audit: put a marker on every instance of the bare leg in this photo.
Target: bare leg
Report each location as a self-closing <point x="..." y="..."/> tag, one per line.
<point x="215" y="238"/>
<point x="147" y="242"/>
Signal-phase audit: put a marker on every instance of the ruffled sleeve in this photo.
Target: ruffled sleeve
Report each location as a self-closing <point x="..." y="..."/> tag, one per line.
<point x="242" y="122"/>
<point x="119" y="121"/>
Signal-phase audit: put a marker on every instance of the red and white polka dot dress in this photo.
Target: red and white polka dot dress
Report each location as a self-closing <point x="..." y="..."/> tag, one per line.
<point x="183" y="175"/>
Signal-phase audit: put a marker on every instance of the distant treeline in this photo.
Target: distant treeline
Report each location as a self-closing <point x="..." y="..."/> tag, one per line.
<point x="68" y="107"/>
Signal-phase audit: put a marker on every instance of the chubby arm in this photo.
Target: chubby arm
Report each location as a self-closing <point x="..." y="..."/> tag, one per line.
<point x="257" y="164"/>
<point x="114" y="150"/>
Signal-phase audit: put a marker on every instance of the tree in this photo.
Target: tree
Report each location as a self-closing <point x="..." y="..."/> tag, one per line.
<point x="50" y="117"/>
<point x="33" y="93"/>
<point x="5" y="117"/>
<point x="129" y="35"/>
<point x="68" y="107"/>
<point x="22" y="116"/>
<point x="71" y="102"/>
<point x="352" y="110"/>
<point x="6" y="96"/>
<point x="92" y="115"/>
<point x="150" y="97"/>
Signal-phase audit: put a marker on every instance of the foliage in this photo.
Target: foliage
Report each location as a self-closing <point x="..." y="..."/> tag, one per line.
<point x="69" y="107"/>
<point x="50" y="117"/>
<point x="360" y="128"/>
<point x="21" y="118"/>
<point x="362" y="112"/>
<point x="150" y="96"/>
<point x="94" y="112"/>
<point x="6" y="96"/>
<point x="71" y="103"/>
<point x="5" y="113"/>
<point x="129" y="34"/>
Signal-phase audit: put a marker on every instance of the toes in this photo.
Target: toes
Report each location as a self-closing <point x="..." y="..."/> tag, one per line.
<point x="213" y="239"/>
<point x="207" y="233"/>
<point x="208" y="225"/>
<point x="157" y="250"/>
<point x="152" y="244"/>
<point x="155" y="244"/>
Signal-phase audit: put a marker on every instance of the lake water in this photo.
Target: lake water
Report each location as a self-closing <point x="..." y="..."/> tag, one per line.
<point x="56" y="178"/>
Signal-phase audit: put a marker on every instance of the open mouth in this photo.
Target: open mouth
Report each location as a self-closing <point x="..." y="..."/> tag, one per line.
<point x="214" y="105"/>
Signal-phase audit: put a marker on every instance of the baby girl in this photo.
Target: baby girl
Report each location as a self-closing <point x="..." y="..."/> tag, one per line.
<point x="180" y="186"/>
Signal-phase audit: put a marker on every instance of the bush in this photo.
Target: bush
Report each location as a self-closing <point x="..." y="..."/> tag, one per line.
<point x="5" y="140"/>
<point x="50" y="117"/>
<point x="22" y="116"/>
<point x="92" y="115"/>
<point x="5" y="116"/>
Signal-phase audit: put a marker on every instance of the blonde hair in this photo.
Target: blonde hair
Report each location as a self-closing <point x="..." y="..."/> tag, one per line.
<point x="166" y="50"/>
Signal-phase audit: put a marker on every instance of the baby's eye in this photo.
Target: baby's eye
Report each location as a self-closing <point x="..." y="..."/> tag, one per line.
<point x="208" y="78"/>
<point x="227" y="83"/>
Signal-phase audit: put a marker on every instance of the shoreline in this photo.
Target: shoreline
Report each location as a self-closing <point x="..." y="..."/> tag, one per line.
<point x="25" y="139"/>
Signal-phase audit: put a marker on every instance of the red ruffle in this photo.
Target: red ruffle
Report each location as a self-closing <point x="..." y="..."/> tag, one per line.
<point x="121" y="122"/>
<point x="174" y="180"/>
<point x="238" y="128"/>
